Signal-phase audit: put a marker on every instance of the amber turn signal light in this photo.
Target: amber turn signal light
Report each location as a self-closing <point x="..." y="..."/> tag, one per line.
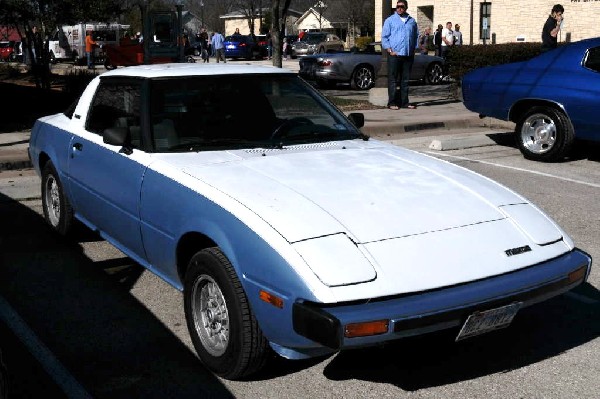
<point x="367" y="328"/>
<point x="270" y="298"/>
<point x="577" y="275"/>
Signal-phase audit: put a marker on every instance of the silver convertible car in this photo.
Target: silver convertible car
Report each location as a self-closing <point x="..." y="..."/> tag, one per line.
<point x="288" y="230"/>
<point x="360" y="68"/>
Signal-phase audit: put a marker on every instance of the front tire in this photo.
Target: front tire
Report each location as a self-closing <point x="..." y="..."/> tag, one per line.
<point x="221" y="323"/>
<point x="363" y="78"/>
<point x="544" y="134"/>
<point x="434" y="74"/>
<point x="57" y="208"/>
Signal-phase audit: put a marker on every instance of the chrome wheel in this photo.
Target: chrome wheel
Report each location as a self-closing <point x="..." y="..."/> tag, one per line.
<point x="538" y="133"/>
<point x="211" y="318"/>
<point x="52" y="201"/>
<point x="362" y="78"/>
<point x="434" y="74"/>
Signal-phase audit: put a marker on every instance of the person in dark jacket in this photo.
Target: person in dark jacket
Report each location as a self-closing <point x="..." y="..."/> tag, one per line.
<point x="552" y="28"/>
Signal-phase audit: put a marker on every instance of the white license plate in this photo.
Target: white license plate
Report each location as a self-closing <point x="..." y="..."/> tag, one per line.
<point x="230" y="46"/>
<point x="489" y="320"/>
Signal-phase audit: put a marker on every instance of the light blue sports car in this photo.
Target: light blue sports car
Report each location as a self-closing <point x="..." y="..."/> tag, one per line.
<point x="285" y="227"/>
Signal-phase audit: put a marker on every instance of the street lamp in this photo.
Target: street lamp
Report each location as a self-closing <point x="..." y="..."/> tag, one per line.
<point x="201" y="14"/>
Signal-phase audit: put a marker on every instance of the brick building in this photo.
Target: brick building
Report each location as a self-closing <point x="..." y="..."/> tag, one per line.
<point x="507" y="20"/>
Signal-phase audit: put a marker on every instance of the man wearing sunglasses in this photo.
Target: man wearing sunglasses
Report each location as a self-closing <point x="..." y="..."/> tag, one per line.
<point x="399" y="40"/>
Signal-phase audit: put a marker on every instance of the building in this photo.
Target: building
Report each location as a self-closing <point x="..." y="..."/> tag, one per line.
<point x="239" y="20"/>
<point x="506" y="21"/>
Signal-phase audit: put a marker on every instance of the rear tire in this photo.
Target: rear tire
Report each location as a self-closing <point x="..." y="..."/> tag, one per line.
<point x="434" y="74"/>
<point x="57" y="208"/>
<point x="544" y="134"/>
<point x="220" y="321"/>
<point x="363" y="78"/>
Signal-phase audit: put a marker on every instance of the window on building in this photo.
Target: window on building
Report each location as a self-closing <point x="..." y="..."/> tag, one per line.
<point x="485" y="13"/>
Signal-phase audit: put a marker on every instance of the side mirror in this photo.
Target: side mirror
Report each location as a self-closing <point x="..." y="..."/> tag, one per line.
<point x="357" y="119"/>
<point x="115" y="135"/>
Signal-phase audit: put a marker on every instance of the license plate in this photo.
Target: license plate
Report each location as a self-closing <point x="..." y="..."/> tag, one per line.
<point x="231" y="46"/>
<point x="489" y="320"/>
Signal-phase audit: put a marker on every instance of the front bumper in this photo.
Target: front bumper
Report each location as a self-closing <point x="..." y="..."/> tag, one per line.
<point x="424" y="312"/>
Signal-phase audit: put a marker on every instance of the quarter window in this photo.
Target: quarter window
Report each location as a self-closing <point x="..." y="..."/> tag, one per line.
<point x="592" y="59"/>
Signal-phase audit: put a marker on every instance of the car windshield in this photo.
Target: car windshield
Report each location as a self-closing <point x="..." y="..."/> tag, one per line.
<point x="313" y="38"/>
<point x="243" y="111"/>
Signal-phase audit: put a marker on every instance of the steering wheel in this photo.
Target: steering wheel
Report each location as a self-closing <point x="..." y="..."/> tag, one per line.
<point x="288" y="124"/>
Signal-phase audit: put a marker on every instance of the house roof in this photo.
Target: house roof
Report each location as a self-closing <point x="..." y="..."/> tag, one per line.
<point x="265" y="10"/>
<point x="333" y="14"/>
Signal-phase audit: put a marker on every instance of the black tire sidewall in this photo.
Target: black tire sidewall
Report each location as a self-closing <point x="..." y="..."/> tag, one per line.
<point x="564" y="135"/>
<point x="65" y="220"/>
<point x="353" y="80"/>
<point x="206" y="262"/>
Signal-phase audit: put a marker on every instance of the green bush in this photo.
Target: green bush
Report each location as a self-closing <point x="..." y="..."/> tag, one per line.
<point x="361" y="42"/>
<point x="462" y="59"/>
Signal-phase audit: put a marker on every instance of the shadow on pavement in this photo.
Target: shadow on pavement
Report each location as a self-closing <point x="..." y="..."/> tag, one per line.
<point x="107" y="340"/>
<point x="537" y="333"/>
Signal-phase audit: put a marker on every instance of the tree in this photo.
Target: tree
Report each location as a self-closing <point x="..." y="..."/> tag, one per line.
<point x="279" y="10"/>
<point x="46" y="16"/>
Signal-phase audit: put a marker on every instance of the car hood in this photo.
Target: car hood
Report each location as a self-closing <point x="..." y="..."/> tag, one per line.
<point x="369" y="193"/>
<point x="373" y="220"/>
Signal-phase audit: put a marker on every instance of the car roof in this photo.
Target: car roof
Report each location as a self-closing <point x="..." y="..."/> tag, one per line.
<point x="189" y="69"/>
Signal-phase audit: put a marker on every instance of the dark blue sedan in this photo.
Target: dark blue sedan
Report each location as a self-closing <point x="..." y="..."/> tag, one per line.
<point x="241" y="46"/>
<point x="553" y="98"/>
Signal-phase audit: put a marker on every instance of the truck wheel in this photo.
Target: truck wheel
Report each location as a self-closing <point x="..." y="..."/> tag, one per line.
<point x="544" y="134"/>
<point x="221" y="323"/>
<point x="108" y="65"/>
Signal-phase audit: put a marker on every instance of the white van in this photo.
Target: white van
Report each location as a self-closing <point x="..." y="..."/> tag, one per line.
<point x="68" y="42"/>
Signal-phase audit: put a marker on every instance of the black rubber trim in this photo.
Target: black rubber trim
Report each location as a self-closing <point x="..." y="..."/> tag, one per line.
<point x="317" y="325"/>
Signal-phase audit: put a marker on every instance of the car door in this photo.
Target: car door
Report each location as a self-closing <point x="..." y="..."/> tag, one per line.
<point x="105" y="181"/>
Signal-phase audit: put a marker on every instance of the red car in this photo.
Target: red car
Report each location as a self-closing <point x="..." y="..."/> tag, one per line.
<point x="7" y="51"/>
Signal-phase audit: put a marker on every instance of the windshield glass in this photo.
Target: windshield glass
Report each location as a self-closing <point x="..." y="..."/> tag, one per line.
<point x="242" y="111"/>
<point x="313" y="38"/>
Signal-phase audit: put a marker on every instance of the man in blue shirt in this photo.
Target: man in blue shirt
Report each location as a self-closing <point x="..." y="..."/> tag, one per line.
<point x="399" y="40"/>
<point x="218" y="43"/>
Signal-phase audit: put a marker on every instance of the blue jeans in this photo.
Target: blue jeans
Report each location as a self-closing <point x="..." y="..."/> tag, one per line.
<point x="90" y="59"/>
<point x="399" y="67"/>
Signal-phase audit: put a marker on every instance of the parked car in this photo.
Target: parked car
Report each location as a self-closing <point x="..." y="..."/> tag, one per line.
<point x="263" y="45"/>
<point x="360" y="68"/>
<point x="241" y="46"/>
<point x="316" y="42"/>
<point x="286" y="228"/>
<point x="10" y="51"/>
<point x="553" y="98"/>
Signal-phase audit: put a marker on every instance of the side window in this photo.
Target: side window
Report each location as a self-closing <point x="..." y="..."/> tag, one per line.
<point x="116" y="105"/>
<point x="592" y="60"/>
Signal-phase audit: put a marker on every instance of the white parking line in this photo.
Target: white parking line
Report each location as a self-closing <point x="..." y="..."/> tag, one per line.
<point x="513" y="168"/>
<point x="61" y="376"/>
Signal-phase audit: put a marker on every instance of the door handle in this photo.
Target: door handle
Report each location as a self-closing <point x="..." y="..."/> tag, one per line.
<point x="78" y="146"/>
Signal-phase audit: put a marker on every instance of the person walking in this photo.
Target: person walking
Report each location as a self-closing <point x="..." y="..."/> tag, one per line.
<point x="552" y="28"/>
<point x="399" y="39"/>
<point x="219" y="47"/>
<point x="89" y="49"/>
